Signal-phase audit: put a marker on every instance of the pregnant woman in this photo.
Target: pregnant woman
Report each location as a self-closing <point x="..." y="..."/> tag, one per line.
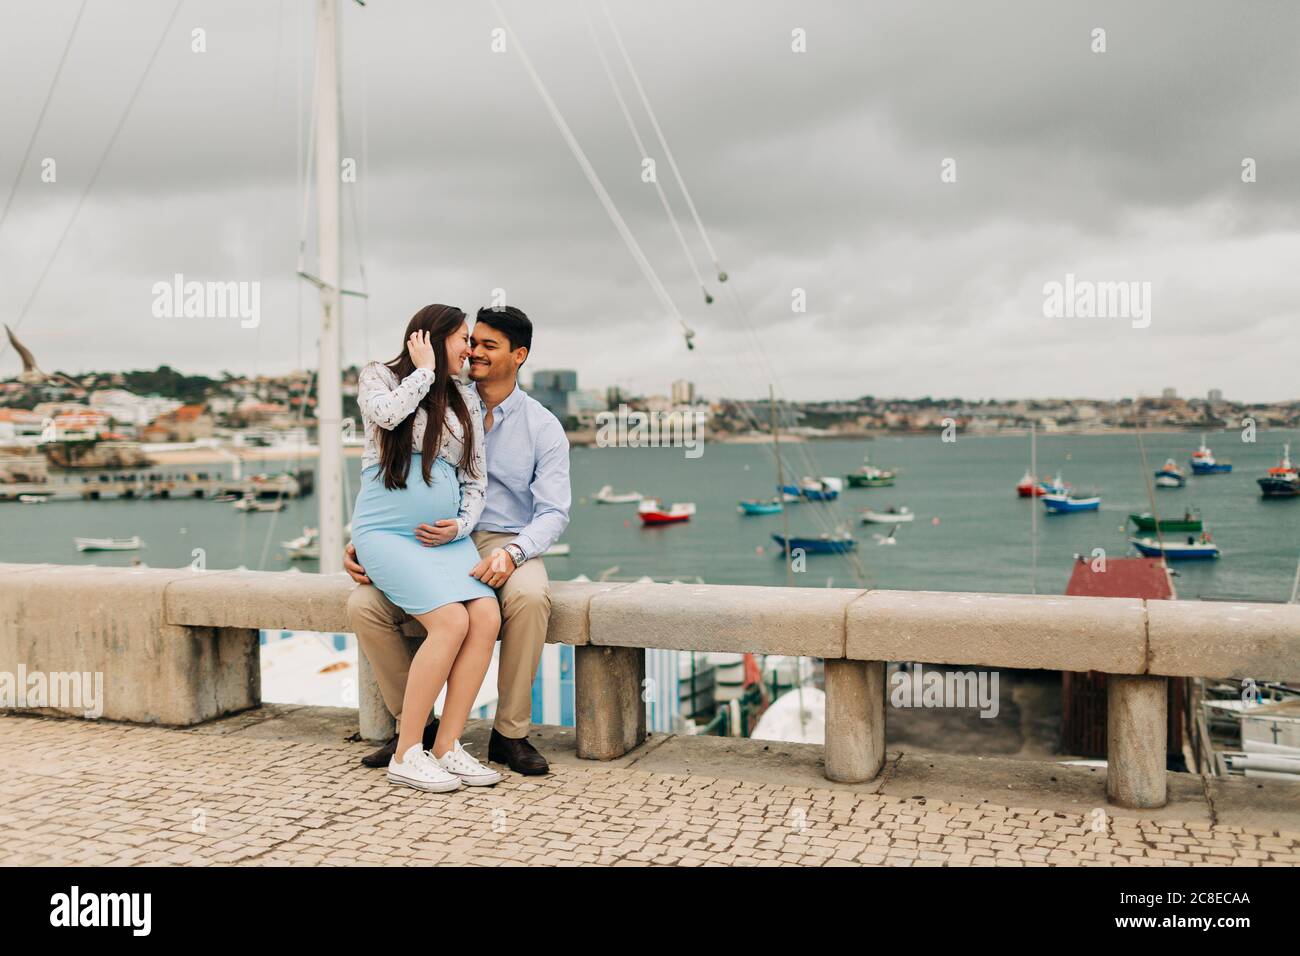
<point x="424" y="464"/>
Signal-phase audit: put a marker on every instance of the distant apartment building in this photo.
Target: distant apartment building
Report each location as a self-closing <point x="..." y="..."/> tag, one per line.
<point x="20" y="427"/>
<point x="683" y="392"/>
<point x="1214" y="396"/>
<point x="185" y="424"/>
<point x="552" y="387"/>
<point x="1169" y="393"/>
<point x="130" y="409"/>
<point x="85" y="424"/>
<point x="585" y="404"/>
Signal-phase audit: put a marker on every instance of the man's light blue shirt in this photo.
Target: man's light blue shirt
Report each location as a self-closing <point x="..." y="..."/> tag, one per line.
<point x="527" y="474"/>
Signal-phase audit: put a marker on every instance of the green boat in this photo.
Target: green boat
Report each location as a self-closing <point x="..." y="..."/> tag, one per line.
<point x="1190" y="521"/>
<point x="869" y="476"/>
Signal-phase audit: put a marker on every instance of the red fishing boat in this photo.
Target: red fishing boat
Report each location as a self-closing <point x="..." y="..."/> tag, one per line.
<point x="1029" y="488"/>
<point x="652" y="511"/>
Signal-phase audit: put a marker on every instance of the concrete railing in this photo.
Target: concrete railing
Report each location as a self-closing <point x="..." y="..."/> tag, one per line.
<point x="180" y="647"/>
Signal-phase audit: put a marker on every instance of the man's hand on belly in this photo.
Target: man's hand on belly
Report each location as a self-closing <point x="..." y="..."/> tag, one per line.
<point x="440" y="532"/>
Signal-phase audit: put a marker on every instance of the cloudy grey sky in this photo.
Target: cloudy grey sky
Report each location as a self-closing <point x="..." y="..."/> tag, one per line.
<point x="818" y="170"/>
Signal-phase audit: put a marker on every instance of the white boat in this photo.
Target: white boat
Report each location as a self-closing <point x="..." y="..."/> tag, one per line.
<point x="305" y="547"/>
<point x="249" y="503"/>
<point x="608" y="496"/>
<point x="33" y="499"/>
<point x="132" y="543"/>
<point x="556" y="551"/>
<point x="900" y="515"/>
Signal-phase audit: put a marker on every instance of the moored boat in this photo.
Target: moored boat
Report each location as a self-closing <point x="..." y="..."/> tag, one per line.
<point x="250" y="503"/>
<point x="652" y="511"/>
<point x="770" y="507"/>
<point x="893" y="515"/>
<point x="608" y="496"/>
<point x="132" y="543"/>
<point x="1191" y="549"/>
<point x="1170" y="475"/>
<point x="869" y="476"/>
<point x="814" y="489"/>
<point x="1282" y="480"/>
<point x="1067" y="503"/>
<point x="1028" y="488"/>
<point x="305" y="547"/>
<point x="838" y="543"/>
<point x="1190" y="521"/>
<point x="1204" y="462"/>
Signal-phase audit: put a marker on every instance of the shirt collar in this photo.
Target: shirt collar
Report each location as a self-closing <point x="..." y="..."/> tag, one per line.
<point x="508" y="404"/>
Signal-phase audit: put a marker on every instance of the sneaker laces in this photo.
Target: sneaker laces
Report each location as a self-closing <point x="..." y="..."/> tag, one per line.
<point x="463" y="759"/>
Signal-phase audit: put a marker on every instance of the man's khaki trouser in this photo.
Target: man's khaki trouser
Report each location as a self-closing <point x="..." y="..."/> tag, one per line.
<point x="389" y="637"/>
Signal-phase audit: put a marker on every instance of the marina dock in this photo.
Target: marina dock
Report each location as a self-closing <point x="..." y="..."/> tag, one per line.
<point x="161" y="485"/>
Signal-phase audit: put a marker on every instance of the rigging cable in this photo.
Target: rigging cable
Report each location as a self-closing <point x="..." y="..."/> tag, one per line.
<point x="829" y="521"/>
<point x="668" y="153"/>
<point x="94" y="176"/>
<point x="589" y="171"/>
<point x="40" y="118"/>
<point x="644" y="153"/>
<point x="750" y="331"/>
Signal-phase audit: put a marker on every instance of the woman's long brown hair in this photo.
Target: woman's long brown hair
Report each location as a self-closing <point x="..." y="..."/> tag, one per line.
<point x="440" y="321"/>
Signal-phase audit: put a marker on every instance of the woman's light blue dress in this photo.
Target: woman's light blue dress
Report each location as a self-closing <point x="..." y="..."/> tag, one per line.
<point x="415" y="577"/>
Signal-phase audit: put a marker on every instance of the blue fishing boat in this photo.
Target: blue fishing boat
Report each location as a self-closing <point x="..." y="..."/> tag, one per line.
<point x="1065" y="504"/>
<point x="821" y="544"/>
<point x="1204" y="463"/>
<point x="814" y="489"/>
<point x="1170" y="475"/>
<point x="1189" y="550"/>
<point x="771" y="507"/>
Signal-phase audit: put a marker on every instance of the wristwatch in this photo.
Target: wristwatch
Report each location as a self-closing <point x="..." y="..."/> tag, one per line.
<point x="516" y="553"/>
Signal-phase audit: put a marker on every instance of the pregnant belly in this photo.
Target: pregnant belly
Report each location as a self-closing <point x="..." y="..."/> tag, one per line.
<point x="400" y="510"/>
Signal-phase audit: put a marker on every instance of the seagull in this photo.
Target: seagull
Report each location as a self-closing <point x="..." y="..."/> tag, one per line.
<point x="887" y="538"/>
<point x="31" y="375"/>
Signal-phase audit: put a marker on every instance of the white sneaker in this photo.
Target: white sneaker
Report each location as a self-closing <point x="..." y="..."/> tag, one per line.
<point x="458" y="761"/>
<point x="420" y="770"/>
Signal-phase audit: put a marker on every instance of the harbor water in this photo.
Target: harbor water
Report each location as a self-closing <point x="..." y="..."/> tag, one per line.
<point x="971" y="531"/>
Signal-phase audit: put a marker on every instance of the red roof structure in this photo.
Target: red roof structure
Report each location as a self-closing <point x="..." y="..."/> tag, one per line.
<point x="1122" y="577"/>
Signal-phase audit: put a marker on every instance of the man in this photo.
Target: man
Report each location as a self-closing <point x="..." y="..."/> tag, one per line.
<point x="527" y="509"/>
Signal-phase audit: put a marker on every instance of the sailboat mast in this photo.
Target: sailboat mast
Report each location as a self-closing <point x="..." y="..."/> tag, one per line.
<point x="1033" y="511"/>
<point x="780" y="484"/>
<point x="329" y="391"/>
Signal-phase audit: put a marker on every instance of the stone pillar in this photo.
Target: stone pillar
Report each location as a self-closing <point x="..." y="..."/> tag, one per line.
<point x="855" y="720"/>
<point x="376" y="722"/>
<point x="608" y="706"/>
<point x="1136" y="735"/>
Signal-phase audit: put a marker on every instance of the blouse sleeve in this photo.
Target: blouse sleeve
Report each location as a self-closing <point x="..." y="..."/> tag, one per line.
<point x="473" y="488"/>
<point x="385" y="405"/>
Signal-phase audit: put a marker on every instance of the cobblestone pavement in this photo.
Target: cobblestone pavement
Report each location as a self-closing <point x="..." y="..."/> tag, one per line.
<point x="83" y="793"/>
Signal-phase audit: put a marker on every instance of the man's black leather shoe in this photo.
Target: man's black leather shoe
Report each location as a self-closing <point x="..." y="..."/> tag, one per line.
<point x="385" y="753"/>
<point x="518" y="754"/>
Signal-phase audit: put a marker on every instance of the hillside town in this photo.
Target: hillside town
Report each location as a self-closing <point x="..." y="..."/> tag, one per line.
<point x="129" y="419"/>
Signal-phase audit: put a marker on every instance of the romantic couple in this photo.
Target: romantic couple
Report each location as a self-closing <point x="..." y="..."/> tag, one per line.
<point x="463" y="488"/>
